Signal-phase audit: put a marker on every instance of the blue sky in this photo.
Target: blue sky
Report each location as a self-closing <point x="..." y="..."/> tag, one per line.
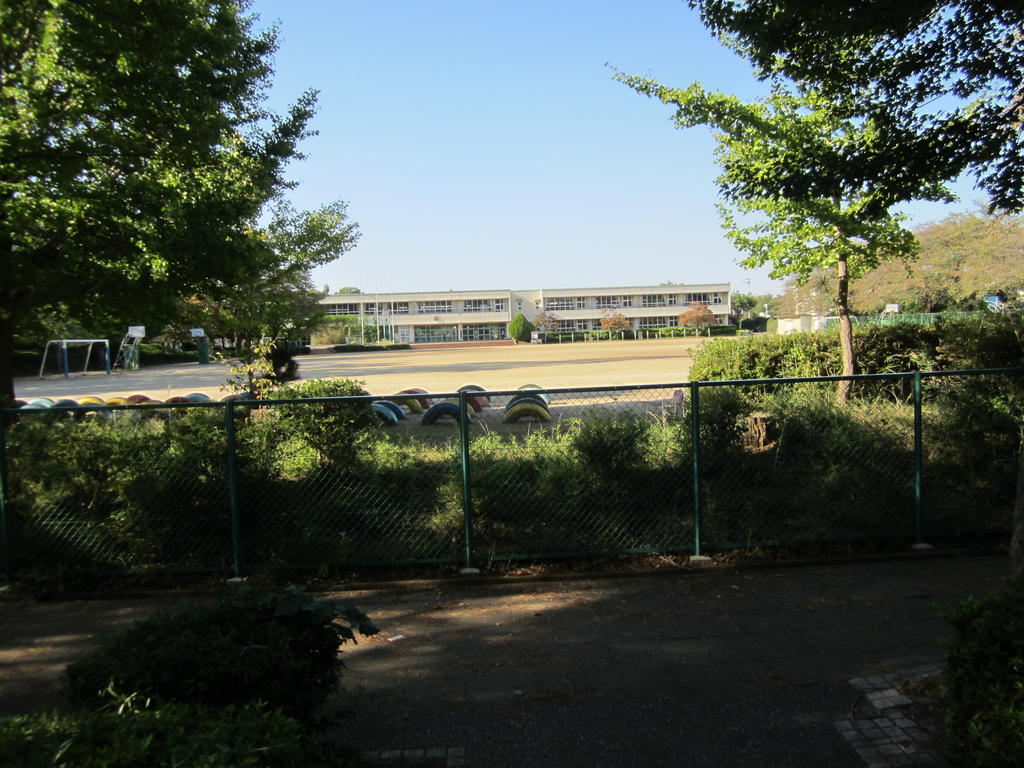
<point x="487" y="145"/>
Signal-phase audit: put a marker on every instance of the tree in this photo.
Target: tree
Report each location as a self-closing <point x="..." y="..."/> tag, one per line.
<point x="964" y="258"/>
<point x="545" y="321"/>
<point x="134" y="150"/>
<point x="941" y="83"/>
<point x="519" y="328"/>
<point x="276" y="298"/>
<point x="615" y="321"/>
<point x="755" y="304"/>
<point x="844" y="226"/>
<point x="697" y="315"/>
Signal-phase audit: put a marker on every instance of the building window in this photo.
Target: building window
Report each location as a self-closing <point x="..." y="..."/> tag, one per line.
<point x="401" y="308"/>
<point x="700" y="298"/>
<point x="717" y="299"/>
<point x="614" y="302"/>
<point x="342" y="309"/>
<point x="435" y="334"/>
<point x="483" y="332"/>
<point x="499" y="305"/>
<point x="658" y="322"/>
<point x="653" y="300"/>
<point x="562" y="303"/>
<point x="435" y="307"/>
<point x="478" y="305"/>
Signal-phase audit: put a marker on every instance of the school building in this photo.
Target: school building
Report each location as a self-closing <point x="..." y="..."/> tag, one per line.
<point x="448" y="316"/>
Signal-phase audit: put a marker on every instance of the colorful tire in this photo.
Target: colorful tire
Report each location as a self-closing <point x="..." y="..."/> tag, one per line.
<point x="197" y="397"/>
<point x="424" y="401"/>
<point x="177" y="399"/>
<point x="395" y="408"/>
<point x="437" y="410"/>
<point x="482" y="399"/>
<point x="412" y="403"/>
<point x="39" y="402"/>
<point x="517" y="399"/>
<point x="542" y="395"/>
<point x="138" y="398"/>
<point x="522" y="410"/>
<point x="65" y="403"/>
<point x="90" y="400"/>
<point x="384" y="413"/>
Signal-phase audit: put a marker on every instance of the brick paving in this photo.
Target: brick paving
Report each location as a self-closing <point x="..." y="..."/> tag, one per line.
<point x="886" y="736"/>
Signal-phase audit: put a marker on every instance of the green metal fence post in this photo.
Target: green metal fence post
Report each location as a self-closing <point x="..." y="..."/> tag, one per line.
<point x="236" y="525"/>
<point x="918" y="468"/>
<point x="695" y="444"/>
<point x="467" y="497"/>
<point x="5" y="522"/>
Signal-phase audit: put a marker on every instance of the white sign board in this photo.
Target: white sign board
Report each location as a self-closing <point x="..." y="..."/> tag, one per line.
<point x="197" y="332"/>
<point x="138" y="331"/>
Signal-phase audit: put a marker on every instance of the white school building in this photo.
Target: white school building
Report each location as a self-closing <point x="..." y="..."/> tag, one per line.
<point x="448" y="316"/>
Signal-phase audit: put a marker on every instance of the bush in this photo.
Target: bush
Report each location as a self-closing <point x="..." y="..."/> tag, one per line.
<point x="335" y="430"/>
<point x="281" y="649"/>
<point x="985" y="680"/>
<point x="987" y="342"/>
<point x="519" y="329"/>
<point x="179" y="735"/>
<point x="611" y="442"/>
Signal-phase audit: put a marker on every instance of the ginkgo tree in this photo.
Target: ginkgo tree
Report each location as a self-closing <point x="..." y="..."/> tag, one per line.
<point x="767" y="151"/>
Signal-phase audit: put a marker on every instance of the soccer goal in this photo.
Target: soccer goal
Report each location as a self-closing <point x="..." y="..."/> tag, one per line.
<point x="83" y="349"/>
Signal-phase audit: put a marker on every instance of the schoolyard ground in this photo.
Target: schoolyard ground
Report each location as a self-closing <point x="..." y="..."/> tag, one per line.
<point x="439" y="370"/>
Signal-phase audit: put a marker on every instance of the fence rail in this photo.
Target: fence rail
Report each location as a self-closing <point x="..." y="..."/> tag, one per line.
<point x="469" y="477"/>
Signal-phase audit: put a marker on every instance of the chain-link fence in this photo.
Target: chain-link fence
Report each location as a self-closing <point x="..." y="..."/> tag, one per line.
<point x="472" y="476"/>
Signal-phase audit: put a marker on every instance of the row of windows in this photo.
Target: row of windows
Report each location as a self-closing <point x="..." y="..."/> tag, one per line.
<point x="425" y="307"/>
<point x="439" y="334"/>
<point x="556" y="304"/>
<point x="618" y="302"/>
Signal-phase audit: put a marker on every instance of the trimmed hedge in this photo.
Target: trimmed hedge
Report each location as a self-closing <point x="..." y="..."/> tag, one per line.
<point x="985" y="342"/>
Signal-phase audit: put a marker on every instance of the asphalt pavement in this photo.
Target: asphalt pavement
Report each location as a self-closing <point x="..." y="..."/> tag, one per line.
<point x="713" y="668"/>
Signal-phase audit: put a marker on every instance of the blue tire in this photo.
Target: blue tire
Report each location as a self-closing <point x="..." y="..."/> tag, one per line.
<point x="437" y="410"/>
<point x="395" y="408"/>
<point x="384" y="413"/>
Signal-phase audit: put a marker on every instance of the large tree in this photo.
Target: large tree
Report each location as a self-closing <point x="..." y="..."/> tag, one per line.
<point x="940" y="81"/>
<point x="842" y="225"/>
<point x="963" y="258"/>
<point x="274" y="296"/>
<point x="134" y="153"/>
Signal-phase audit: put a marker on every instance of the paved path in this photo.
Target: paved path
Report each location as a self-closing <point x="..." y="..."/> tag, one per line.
<point x="747" y="668"/>
<point x="652" y="361"/>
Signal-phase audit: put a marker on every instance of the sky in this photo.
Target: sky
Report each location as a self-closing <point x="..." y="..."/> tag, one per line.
<point x="487" y="145"/>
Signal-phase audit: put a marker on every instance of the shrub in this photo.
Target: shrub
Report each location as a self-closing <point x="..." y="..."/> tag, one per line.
<point x="179" y="735"/>
<point x="985" y="680"/>
<point x="335" y="430"/>
<point x="519" y="329"/>
<point x="611" y="442"/>
<point x="281" y="649"/>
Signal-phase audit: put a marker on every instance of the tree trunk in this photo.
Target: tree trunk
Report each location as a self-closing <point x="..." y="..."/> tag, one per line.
<point x="1017" y="540"/>
<point x="845" y="332"/>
